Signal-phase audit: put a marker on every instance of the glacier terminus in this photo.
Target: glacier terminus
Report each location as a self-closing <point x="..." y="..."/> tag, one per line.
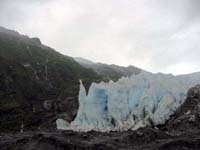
<point x="141" y="100"/>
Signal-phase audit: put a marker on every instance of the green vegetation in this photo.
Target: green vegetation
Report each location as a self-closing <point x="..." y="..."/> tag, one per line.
<point x="30" y="74"/>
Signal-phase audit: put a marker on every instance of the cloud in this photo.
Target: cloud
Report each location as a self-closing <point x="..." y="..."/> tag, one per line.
<point x="157" y="35"/>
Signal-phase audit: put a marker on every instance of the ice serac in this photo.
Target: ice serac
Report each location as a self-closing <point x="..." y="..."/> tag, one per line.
<point x="130" y="103"/>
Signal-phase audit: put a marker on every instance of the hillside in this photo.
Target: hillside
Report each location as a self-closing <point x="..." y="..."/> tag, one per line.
<point x="36" y="83"/>
<point x="109" y="71"/>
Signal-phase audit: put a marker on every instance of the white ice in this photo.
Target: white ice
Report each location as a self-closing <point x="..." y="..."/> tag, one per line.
<point x="142" y="100"/>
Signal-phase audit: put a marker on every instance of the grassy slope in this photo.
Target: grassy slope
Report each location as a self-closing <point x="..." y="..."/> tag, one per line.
<point x="31" y="74"/>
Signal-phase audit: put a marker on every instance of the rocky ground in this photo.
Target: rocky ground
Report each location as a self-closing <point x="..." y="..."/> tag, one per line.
<point x="143" y="139"/>
<point x="181" y="132"/>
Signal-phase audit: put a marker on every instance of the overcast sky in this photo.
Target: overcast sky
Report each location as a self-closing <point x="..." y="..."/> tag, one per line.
<point x="156" y="35"/>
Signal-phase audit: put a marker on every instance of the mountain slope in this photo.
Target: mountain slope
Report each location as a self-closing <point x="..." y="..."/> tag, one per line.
<point x="36" y="81"/>
<point x="113" y="72"/>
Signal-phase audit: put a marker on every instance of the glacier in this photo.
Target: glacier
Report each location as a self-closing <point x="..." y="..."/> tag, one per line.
<point x="141" y="100"/>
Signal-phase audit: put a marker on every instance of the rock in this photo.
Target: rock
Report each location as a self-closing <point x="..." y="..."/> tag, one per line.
<point x="48" y="105"/>
<point x="36" y="41"/>
<point x="139" y="134"/>
<point x="186" y="119"/>
<point x="192" y="118"/>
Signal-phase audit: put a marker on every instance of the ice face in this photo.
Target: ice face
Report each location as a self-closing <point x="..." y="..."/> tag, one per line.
<point x="130" y="103"/>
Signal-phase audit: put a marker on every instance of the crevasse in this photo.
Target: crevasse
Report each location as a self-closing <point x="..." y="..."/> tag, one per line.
<point x="142" y="100"/>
